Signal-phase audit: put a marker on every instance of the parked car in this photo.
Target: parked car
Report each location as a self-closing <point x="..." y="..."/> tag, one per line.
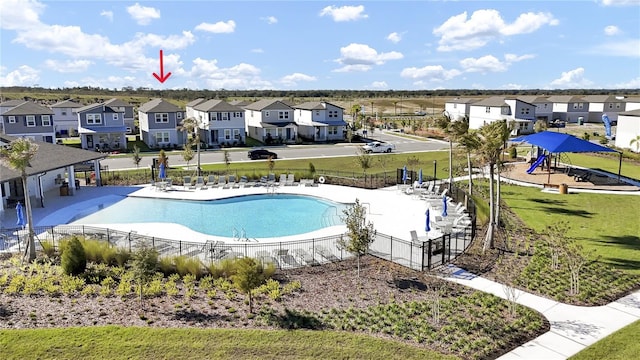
<point x="261" y="154"/>
<point x="557" y="124"/>
<point x="378" y="147"/>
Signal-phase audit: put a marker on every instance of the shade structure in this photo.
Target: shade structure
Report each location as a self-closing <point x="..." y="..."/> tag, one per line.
<point x="404" y="174"/>
<point x="20" y="214"/>
<point x="420" y="177"/>
<point x="427" y="226"/>
<point x="162" y="173"/>
<point x="444" y="205"/>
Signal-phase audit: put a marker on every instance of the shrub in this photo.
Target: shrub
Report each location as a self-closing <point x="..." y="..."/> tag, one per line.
<point x="225" y="268"/>
<point x="185" y="265"/>
<point x="122" y="256"/>
<point x="513" y="152"/>
<point x="48" y="248"/>
<point x="166" y="265"/>
<point x="74" y="259"/>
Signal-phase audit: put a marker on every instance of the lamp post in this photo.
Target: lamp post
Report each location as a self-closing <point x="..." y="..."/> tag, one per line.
<point x="435" y="167"/>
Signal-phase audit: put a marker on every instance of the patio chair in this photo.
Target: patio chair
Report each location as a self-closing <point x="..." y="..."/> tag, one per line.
<point x="286" y="260"/>
<point x="305" y="257"/>
<point x="222" y="181"/>
<point x="232" y="183"/>
<point x="200" y="183"/>
<point x="414" y="237"/>
<point x="271" y="179"/>
<point x="211" y="181"/>
<point x="283" y="180"/>
<point x="265" y="258"/>
<point x="326" y="253"/>
<point x="244" y="182"/>
<point x="291" y="180"/>
<point x="187" y="182"/>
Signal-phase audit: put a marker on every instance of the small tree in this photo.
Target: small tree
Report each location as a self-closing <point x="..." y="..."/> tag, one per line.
<point x="144" y="266"/>
<point x="635" y="141"/>
<point x="556" y="234"/>
<point x="576" y="258"/>
<point x="187" y="155"/>
<point x="227" y="159"/>
<point x="364" y="161"/>
<point x="271" y="164"/>
<point x="312" y="169"/>
<point x="360" y="233"/>
<point x="74" y="258"/>
<point x="136" y="155"/>
<point x="249" y="275"/>
<point x="540" y="126"/>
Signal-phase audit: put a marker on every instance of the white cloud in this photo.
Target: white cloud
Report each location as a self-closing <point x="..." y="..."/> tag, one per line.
<point x="572" y="79"/>
<point x="620" y="2"/>
<point x="430" y="73"/>
<point x="344" y="13"/>
<point x="143" y="14"/>
<point x="611" y="30"/>
<point x="270" y="20"/>
<point x="360" y="57"/>
<point x="257" y="51"/>
<point x="353" y="68"/>
<point x="460" y="32"/>
<point x="241" y="76"/>
<point x="171" y="42"/>
<point x="295" y="78"/>
<point x="488" y="63"/>
<point x="627" y="48"/>
<point x="511" y="58"/>
<point x="394" y="37"/>
<point x="69" y="66"/>
<point x="20" y="15"/>
<point x="631" y="84"/>
<point x="220" y="27"/>
<point x="512" y="87"/>
<point x="22" y="76"/>
<point x="379" y="85"/>
<point x="107" y="14"/>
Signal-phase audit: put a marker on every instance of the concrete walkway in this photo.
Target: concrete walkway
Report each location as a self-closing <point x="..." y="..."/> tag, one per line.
<point x="573" y="328"/>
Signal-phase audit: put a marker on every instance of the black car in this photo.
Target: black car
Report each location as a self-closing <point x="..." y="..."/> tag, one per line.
<point x="262" y="154"/>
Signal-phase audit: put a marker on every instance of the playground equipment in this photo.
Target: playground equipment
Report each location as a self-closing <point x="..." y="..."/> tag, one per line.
<point x="537" y="163"/>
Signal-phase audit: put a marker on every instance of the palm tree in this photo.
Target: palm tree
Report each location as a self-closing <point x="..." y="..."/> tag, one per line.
<point x="505" y="131"/>
<point x="635" y="141"/>
<point x="18" y="155"/>
<point x="445" y="124"/>
<point x="490" y="136"/>
<point x="355" y="110"/>
<point x="191" y="126"/>
<point x="470" y="141"/>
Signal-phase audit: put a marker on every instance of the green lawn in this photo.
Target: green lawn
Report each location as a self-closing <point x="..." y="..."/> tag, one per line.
<point x="152" y="343"/>
<point x="610" y="164"/>
<point x="607" y="223"/>
<point x="621" y="345"/>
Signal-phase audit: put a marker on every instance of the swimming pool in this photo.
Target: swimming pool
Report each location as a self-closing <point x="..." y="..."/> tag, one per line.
<point x="250" y="216"/>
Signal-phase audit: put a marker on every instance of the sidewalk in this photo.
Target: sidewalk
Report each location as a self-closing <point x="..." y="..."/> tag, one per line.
<point x="573" y="328"/>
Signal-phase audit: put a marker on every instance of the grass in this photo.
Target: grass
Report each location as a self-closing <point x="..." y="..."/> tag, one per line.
<point x="621" y="345"/>
<point x="144" y="343"/>
<point x="606" y="163"/>
<point x="606" y="223"/>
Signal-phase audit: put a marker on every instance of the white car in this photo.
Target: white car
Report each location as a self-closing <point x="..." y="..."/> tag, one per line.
<point x="378" y="147"/>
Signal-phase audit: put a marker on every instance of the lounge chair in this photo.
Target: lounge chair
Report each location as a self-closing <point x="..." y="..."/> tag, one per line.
<point x="326" y="253"/>
<point x="283" y="180"/>
<point x="222" y="181"/>
<point x="286" y="260"/>
<point x="271" y="180"/>
<point x="200" y="183"/>
<point x="305" y="257"/>
<point x="187" y="182"/>
<point x="211" y="181"/>
<point x="265" y="258"/>
<point x="232" y="182"/>
<point x="414" y="237"/>
<point x="244" y="182"/>
<point x="290" y="180"/>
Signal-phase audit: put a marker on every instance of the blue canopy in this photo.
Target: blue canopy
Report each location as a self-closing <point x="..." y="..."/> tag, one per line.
<point x="555" y="142"/>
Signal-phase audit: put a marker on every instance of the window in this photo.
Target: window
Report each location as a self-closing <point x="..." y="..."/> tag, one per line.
<point x="524" y="111"/>
<point x="333" y="130"/>
<point x="487" y="109"/>
<point x="64" y="112"/>
<point x="238" y="114"/>
<point x="236" y="134"/>
<point x="523" y="125"/>
<point x="115" y="116"/>
<point x="162" y="118"/>
<point x="31" y="121"/>
<point x="333" y="113"/>
<point x="12" y="119"/>
<point x="94" y="118"/>
<point x="283" y="115"/>
<point x="575" y="106"/>
<point x="179" y="115"/>
<point x="580" y="105"/>
<point x="162" y="137"/>
<point x="266" y="114"/>
<point x="455" y="106"/>
<point x="225" y="116"/>
<point x="227" y="134"/>
<point x="610" y="106"/>
<point x="46" y="120"/>
<point x="317" y="112"/>
<point x="618" y="106"/>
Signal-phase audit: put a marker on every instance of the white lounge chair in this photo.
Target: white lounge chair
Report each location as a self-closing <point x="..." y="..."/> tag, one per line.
<point x="290" y="180"/>
<point x="283" y="180"/>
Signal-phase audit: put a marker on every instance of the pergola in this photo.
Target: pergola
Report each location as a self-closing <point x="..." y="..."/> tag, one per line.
<point x="555" y="143"/>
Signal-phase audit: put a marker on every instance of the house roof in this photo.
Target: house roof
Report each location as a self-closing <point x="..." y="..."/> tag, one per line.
<point x="195" y="102"/>
<point x="533" y="99"/>
<point x="601" y="98"/>
<point x="66" y="104"/>
<point x="29" y="108"/>
<point x="116" y="102"/>
<point x="101" y="129"/>
<point x="240" y="103"/>
<point x="216" y="105"/>
<point x="159" y="105"/>
<point x="268" y="104"/>
<point x="630" y="113"/>
<point x="49" y="157"/>
<point x="555" y="142"/>
<point x="93" y="106"/>
<point x="11" y="103"/>
<point x="277" y="123"/>
<point x="491" y="101"/>
<point x="315" y="105"/>
<point x="462" y="101"/>
<point x="565" y="99"/>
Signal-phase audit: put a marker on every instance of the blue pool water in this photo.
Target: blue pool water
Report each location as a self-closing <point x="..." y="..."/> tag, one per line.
<point x="253" y="216"/>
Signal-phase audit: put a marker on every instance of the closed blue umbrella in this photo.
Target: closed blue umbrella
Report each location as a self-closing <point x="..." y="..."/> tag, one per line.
<point x="420" y="177"/>
<point x="427" y="227"/>
<point x="444" y="205"/>
<point x="404" y="174"/>
<point x="20" y="213"/>
<point x="162" y="174"/>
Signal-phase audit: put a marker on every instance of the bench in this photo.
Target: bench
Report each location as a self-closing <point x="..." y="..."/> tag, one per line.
<point x="552" y="186"/>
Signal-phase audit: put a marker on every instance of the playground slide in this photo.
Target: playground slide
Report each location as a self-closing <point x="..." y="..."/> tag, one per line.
<point x="537" y="163"/>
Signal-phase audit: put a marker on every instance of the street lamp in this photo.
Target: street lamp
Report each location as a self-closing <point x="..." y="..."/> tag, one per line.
<point x="435" y="167"/>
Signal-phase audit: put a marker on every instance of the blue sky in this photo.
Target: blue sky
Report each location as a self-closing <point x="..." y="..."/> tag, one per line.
<point x="301" y="45"/>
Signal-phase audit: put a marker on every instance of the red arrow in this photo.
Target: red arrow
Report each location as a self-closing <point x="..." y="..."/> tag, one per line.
<point x="162" y="77"/>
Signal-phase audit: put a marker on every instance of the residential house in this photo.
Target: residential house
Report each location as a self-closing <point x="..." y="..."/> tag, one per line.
<point x="159" y="121"/>
<point x="6" y="106"/>
<point x="628" y="130"/>
<point x="220" y="123"/>
<point x="270" y="121"/>
<point x="101" y="127"/>
<point x="569" y="108"/>
<point x="190" y="113"/>
<point x="500" y="108"/>
<point x="66" y="120"/>
<point x="458" y="108"/>
<point x="126" y="109"/>
<point x="320" y="121"/>
<point x="604" y="104"/>
<point x="30" y="120"/>
<point x="544" y="107"/>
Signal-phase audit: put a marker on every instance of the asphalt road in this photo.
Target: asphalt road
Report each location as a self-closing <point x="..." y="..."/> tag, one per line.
<point x="403" y="145"/>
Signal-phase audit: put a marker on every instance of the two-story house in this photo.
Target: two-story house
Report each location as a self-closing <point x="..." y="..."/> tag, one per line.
<point x="190" y="112"/>
<point x="500" y="108"/>
<point x="320" y="121"/>
<point x="220" y="123"/>
<point x="569" y="108"/>
<point x="159" y="121"/>
<point x="30" y="120"/>
<point x="458" y="108"/>
<point x="604" y="104"/>
<point x="66" y="120"/>
<point x="6" y="106"/>
<point x="544" y="107"/>
<point x="270" y="121"/>
<point x="126" y="109"/>
<point x="101" y="127"/>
